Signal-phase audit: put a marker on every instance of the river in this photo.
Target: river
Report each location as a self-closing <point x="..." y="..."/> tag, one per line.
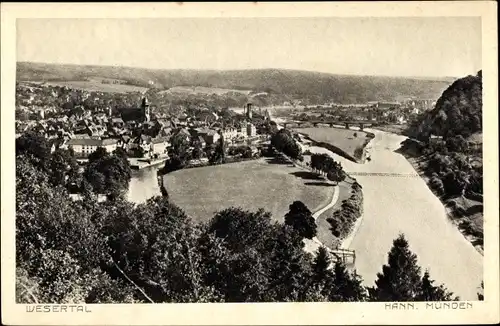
<point x="143" y="185"/>
<point x="394" y="205"/>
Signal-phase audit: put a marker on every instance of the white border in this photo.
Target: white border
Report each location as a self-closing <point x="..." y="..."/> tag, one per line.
<point x="261" y="313"/>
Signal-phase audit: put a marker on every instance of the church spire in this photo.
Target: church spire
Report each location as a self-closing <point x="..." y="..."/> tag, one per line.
<point x="145" y="109"/>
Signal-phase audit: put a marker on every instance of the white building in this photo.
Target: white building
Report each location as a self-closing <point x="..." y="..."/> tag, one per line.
<point x="229" y="133"/>
<point x="251" y="130"/>
<point x="86" y="146"/>
<point x="159" y="146"/>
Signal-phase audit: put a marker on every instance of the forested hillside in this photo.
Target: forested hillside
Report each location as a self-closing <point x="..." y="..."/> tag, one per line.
<point x="311" y="87"/>
<point x="452" y="162"/>
<point x="458" y="111"/>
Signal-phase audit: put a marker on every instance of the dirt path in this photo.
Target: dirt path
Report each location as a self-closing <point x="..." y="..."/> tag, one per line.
<point x="312" y="245"/>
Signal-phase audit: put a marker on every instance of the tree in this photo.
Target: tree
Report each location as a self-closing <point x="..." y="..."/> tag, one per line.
<point x="322" y="278"/>
<point x="455" y="183"/>
<point x="120" y="152"/>
<point x="197" y="151"/>
<point x="335" y="226"/>
<point x="34" y="146"/>
<point x="289" y="266"/>
<point x="400" y="279"/>
<point x="347" y="287"/>
<point x="99" y="154"/>
<point x="234" y="246"/>
<point x="63" y="168"/>
<point x="300" y="219"/>
<point x="159" y="253"/>
<point x="457" y="112"/>
<point x="430" y="292"/>
<point x="321" y="265"/>
<point x="217" y="155"/>
<point x="480" y="295"/>
<point x="457" y="144"/>
<point x="336" y="175"/>
<point x="283" y="142"/>
<point x="108" y="174"/>
<point x="178" y="153"/>
<point x="251" y="258"/>
<point x="240" y="229"/>
<point x="59" y="248"/>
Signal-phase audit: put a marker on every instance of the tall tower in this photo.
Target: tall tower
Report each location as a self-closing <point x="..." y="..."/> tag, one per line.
<point x="42" y="114"/>
<point x="145" y="109"/>
<point x="249" y="110"/>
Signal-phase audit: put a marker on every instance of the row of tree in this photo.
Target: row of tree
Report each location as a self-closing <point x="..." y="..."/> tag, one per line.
<point x="343" y="219"/>
<point x="324" y="164"/>
<point x="284" y="142"/>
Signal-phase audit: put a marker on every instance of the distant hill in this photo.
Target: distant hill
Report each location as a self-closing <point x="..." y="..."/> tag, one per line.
<point x="457" y="112"/>
<point x="313" y="87"/>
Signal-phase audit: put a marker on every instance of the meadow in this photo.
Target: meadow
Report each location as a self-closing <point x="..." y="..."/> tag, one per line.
<point x="251" y="185"/>
<point x="344" y="139"/>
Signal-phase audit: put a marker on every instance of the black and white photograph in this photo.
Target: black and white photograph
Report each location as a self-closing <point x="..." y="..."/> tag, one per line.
<point x="328" y="159"/>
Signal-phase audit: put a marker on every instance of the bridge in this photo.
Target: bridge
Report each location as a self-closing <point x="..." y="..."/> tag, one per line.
<point x="384" y="174"/>
<point x="332" y="123"/>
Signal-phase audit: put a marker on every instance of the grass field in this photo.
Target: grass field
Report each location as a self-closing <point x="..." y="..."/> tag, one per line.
<point x="94" y="86"/>
<point x="251" y="185"/>
<point x="324" y="233"/>
<point x="341" y="138"/>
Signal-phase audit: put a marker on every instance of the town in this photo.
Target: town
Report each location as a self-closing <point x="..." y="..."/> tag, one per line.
<point x="84" y="121"/>
<point x="188" y="169"/>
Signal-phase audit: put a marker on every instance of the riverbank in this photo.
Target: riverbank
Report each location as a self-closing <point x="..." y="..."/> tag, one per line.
<point x="366" y="148"/>
<point x="396" y="200"/>
<point x="418" y="164"/>
<point x="343" y="214"/>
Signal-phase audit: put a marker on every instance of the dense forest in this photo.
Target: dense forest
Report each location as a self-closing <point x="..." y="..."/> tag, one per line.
<point x="450" y="153"/>
<point x="310" y="87"/>
<point x="457" y="112"/>
<point x="117" y="252"/>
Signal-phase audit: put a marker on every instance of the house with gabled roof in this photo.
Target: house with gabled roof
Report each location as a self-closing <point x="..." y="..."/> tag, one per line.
<point x="159" y="145"/>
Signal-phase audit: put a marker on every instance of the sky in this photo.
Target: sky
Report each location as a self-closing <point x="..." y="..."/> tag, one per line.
<point x="423" y="46"/>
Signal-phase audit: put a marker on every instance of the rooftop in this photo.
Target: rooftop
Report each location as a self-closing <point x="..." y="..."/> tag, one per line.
<point x="91" y="142"/>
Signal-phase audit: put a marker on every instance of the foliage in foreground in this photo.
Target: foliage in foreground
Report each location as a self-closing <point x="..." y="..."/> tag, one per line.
<point x="85" y="251"/>
<point x="401" y="278"/>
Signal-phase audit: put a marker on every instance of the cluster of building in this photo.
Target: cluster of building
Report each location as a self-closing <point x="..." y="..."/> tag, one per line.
<point x="390" y="112"/>
<point x="136" y="130"/>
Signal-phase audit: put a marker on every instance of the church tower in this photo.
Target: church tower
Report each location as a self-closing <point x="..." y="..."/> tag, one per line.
<point x="249" y="111"/>
<point x="145" y="109"/>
